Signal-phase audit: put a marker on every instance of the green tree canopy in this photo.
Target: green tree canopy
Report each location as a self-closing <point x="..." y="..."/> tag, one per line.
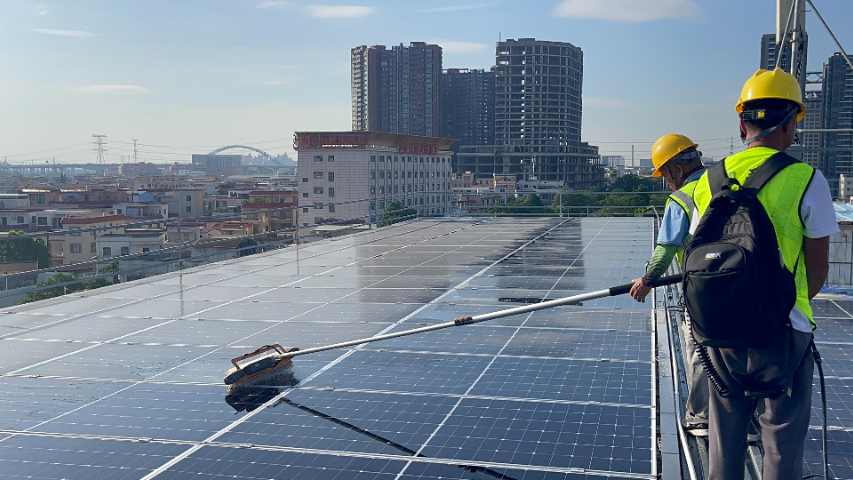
<point x="58" y="277"/>
<point x="52" y="292"/>
<point x="25" y="249"/>
<point x="396" y="212"/>
<point x="112" y="267"/>
<point x="634" y="183"/>
<point x="533" y="203"/>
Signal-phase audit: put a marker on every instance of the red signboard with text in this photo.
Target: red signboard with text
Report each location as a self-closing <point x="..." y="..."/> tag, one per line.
<point x="417" y="148"/>
<point x="329" y="141"/>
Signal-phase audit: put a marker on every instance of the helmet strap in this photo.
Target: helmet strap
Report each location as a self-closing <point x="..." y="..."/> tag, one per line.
<point x="747" y="141"/>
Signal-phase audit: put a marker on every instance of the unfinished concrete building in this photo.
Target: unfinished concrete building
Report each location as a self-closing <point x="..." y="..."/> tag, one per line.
<point x="538" y="87"/>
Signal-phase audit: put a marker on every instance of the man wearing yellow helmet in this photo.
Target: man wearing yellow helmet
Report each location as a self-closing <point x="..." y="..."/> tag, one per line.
<point x="798" y="204"/>
<point x="676" y="159"/>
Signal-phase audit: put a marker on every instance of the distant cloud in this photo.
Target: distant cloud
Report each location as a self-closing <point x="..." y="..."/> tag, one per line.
<point x="460" y="47"/>
<point x="278" y="5"/>
<point x="42" y="10"/>
<point x="64" y="33"/>
<point x="321" y="11"/>
<point x="128" y="89"/>
<point x="456" y="8"/>
<point x="605" y="103"/>
<point x="701" y="107"/>
<point x="629" y="11"/>
<point x="272" y="83"/>
<point x="338" y="11"/>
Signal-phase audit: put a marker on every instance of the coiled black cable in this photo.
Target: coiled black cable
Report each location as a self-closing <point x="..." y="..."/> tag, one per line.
<point x="713" y="375"/>
<point x="819" y="362"/>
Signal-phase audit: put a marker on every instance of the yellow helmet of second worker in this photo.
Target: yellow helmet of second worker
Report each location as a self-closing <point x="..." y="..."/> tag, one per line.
<point x="772" y="84"/>
<point x="668" y="147"/>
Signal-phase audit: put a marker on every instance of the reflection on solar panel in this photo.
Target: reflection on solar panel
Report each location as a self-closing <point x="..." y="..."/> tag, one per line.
<point x="126" y="382"/>
<point x="834" y="339"/>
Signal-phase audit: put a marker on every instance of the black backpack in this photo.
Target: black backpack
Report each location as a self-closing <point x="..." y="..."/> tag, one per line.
<point x="737" y="289"/>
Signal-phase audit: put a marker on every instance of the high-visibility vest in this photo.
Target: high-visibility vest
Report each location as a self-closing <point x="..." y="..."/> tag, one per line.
<point x="781" y="198"/>
<point x="684" y="198"/>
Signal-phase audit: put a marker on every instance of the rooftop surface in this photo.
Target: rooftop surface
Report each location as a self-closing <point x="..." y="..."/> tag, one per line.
<point x="125" y="382"/>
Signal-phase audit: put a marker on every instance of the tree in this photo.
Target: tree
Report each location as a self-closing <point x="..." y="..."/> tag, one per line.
<point x="395" y="213"/>
<point x="112" y="267"/>
<point x="52" y="292"/>
<point x="58" y="277"/>
<point x="533" y="202"/>
<point x="26" y="249"/>
<point x="634" y="183"/>
<point x="253" y="200"/>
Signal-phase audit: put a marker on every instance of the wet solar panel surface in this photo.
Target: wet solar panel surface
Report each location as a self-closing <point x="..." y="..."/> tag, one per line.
<point x="126" y="382"/>
<point x="834" y="339"/>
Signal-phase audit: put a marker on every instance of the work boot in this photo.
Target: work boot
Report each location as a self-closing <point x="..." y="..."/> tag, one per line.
<point x="697" y="429"/>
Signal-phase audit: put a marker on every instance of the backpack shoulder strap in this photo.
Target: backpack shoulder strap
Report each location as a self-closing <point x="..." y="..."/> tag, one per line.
<point x="767" y="170"/>
<point x="717" y="176"/>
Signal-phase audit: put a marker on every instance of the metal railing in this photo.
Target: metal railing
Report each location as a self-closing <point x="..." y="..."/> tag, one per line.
<point x="173" y="257"/>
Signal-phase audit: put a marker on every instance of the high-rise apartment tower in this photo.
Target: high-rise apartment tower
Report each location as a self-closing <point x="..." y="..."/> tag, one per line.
<point x="813" y="120"/>
<point x="837" y="114"/>
<point x="397" y="90"/>
<point x="468" y="106"/>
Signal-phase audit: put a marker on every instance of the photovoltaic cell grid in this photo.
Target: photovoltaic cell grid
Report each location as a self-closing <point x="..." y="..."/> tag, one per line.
<point x="126" y="382"/>
<point x="834" y="339"/>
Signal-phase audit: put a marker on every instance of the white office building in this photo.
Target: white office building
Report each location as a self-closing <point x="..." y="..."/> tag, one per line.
<point x="352" y="177"/>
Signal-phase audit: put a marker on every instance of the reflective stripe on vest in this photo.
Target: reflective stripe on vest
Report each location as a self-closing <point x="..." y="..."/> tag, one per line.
<point x="684" y="198"/>
<point x="686" y="201"/>
<point x="781" y="198"/>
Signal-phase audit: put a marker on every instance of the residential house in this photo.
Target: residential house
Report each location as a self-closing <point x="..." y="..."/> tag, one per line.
<point x="214" y="249"/>
<point x="132" y="241"/>
<point x="272" y="210"/>
<point x="186" y="202"/>
<point x="71" y="247"/>
<point x="235" y="228"/>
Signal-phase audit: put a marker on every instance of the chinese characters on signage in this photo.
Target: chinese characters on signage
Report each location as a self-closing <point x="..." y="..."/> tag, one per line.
<point x="313" y="141"/>
<point x="417" y="148"/>
<point x="328" y="141"/>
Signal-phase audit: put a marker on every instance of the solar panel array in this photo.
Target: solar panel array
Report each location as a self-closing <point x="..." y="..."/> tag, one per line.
<point x="126" y="382"/>
<point x="834" y="340"/>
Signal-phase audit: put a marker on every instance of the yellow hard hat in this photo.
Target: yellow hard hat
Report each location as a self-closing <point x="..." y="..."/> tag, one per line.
<point x="776" y="84"/>
<point x="668" y="147"/>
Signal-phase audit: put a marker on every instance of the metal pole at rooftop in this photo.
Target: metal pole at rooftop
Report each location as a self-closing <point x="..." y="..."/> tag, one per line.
<point x="181" y="247"/>
<point x="819" y="17"/>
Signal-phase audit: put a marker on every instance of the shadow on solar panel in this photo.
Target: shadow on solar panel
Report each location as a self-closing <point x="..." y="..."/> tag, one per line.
<point x="249" y="398"/>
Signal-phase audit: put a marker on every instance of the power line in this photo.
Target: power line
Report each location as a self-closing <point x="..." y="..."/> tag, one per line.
<point x="49" y="150"/>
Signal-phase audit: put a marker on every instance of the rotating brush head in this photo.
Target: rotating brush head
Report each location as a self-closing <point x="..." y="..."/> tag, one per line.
<point x="262" y="364"/>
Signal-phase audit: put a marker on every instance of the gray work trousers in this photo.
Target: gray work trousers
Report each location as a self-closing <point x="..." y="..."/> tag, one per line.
<point x="784" y="420"/>
<point x="697" y="380"/>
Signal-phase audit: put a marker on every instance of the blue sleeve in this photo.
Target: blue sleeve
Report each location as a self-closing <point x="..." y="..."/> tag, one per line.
<point x="674" y="226"/>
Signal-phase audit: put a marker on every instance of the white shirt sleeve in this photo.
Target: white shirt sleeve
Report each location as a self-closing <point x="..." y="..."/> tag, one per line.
<point x="816" y="210"/>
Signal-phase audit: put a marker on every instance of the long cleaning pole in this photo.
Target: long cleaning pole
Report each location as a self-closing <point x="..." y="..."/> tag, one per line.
<point x="609" y="292"/>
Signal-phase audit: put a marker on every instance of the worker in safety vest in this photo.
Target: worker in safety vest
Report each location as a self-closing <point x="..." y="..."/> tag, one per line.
<point x="799" y="205"/>
<point x="676" y="158"/>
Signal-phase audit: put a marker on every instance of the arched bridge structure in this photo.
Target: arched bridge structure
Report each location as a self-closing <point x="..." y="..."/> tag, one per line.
<point x="256" y="150"/>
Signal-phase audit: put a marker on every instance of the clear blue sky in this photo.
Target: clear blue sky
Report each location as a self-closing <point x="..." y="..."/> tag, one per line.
<point x="190" y="75"/>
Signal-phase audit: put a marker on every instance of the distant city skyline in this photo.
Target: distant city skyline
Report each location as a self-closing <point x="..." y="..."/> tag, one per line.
<point x="189" y="77"/>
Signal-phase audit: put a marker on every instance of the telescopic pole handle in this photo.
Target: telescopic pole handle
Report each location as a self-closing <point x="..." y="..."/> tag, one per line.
<point x="661" y="282"/>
